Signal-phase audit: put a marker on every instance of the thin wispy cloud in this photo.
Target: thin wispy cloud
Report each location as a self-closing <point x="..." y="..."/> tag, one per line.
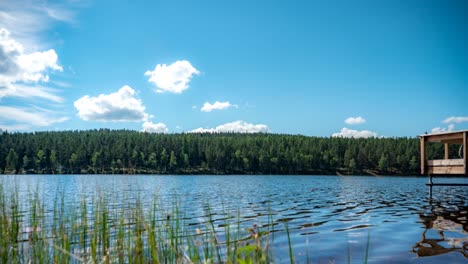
<point x="355" y="120"/>
<point x="28" y="117"/>
<point x="455" y="119"/>
<point x="26" y="18"/>
<point x="207" y="107"/>
<point x="173" y="78"/>
<point x="27" y="62"/>
<point x="15" y="127"/>
<point x="41" y="92"/>
<point x="235" y="127"/>
<point x="121" y="106"/>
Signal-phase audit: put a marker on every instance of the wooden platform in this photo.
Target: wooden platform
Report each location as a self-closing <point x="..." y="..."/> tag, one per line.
<point x="445" y="166"/>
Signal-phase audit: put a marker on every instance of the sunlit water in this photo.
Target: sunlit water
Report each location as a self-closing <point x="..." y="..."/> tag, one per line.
<point x="330" y="218"/>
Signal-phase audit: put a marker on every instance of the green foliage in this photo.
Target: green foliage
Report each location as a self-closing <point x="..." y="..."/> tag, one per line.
<point x="128" y="152"/>
<point x="173" y="160"/>
<point x="352" y="166"/>
<point x="96" y="231"/>
<point x="53" y="161"/>
<point x="27" y="164"/>
<point x="383" y="162"/>
<point x="11" y="161"/>
<point x="40" y="159"/>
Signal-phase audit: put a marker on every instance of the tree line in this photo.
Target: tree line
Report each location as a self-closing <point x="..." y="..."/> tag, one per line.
<point x="131" y="152"/>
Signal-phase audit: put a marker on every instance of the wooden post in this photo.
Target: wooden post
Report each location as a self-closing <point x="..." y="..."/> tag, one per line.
<point x="446" y="146"/>
<point x="422" y="141"/>
<point x="465" y="151"/>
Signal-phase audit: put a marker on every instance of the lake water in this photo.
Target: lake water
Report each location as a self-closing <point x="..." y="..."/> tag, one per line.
<point x="330" y="218"/>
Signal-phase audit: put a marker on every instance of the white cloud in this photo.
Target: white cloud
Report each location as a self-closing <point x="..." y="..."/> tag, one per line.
<point x="207" y="107"/>
<point x="150" y="127"/>
<point x="449" y="128"/>
<point x="350" y="133"/>
<point x="25" y="118"/>
<point x="236" y="127"/>
<point x="119" y="106"/>
<point x="35" y="64"/>
<point x="456" y="119"/>
<point x="26" y="62"/>
<point x="355" y="120"/>
<point x="20" y="71"/>
<point x="172" y="78"/>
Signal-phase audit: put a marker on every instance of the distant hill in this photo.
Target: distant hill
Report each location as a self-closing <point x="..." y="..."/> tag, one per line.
<point x="133" y="152"/>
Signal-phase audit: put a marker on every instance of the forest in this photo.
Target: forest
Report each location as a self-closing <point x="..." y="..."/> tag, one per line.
<point x="131" y="152"/>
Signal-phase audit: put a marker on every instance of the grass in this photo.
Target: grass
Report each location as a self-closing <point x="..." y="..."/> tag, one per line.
<point x="97" y="231"/>
<point x="102" y="229"/>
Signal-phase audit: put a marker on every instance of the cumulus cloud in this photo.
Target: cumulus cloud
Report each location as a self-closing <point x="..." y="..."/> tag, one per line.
<point x="355" y="120"/>
<point x="350" y="133"/>
<point x="173" y="78"/>
<point x="150" y="127"/>
<point x="236" y="127"/>
<point x="25" y="118"/>
<point x="119" y="106"/>
<point x="456" y="119"/>
<point x="207" y="107"/>
<point x="449" y="128"/>
<point x="20" y="72"/>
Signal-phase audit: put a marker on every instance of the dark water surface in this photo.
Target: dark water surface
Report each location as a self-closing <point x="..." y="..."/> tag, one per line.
<point x="330" y="218"/>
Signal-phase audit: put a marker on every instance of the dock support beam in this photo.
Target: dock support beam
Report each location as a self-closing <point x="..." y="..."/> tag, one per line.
<point x="446" y="147"/>
<point x="465" y="151"/>
<point x="422" y="141"/>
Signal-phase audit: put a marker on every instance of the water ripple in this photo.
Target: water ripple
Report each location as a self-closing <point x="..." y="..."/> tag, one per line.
<point x="324" y="215"/>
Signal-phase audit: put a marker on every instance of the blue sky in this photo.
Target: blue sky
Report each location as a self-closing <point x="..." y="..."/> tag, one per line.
<point x="320" y="68"/>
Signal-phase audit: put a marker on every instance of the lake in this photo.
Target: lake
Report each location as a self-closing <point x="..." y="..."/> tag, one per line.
<point x="329" y="218"/>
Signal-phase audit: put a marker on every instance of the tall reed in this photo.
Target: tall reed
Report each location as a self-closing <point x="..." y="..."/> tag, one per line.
<point x="97" y="231"/>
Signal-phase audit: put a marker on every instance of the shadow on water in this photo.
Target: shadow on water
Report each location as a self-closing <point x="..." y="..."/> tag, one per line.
<point x="445" y="228"/>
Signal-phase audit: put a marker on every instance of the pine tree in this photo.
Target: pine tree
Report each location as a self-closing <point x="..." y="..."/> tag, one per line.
<point x="11" y="161"/>
<point x="383" y="163"/>
<point x="173" y="161"/>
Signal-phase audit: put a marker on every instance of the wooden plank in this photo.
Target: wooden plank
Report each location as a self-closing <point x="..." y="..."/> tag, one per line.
<point x="422" y="143"/>
<point x="443" y="133"/>
<point x="445" y="162"/>
<point x="441" y="137"/>
<point x="465" y="151"/>
<point x="446" y="151"/>
<point x="446" y="170"/>
<point x="453" y="141"/>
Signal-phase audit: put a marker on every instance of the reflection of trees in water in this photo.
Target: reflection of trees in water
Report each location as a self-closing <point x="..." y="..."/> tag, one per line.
<point x="450" y="222"/>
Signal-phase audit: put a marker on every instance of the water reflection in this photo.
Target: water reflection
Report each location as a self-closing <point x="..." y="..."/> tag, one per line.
<point x="445" y="230"/>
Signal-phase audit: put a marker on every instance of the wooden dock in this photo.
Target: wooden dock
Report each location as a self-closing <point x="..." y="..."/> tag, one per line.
<point x="447" y="166"/>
